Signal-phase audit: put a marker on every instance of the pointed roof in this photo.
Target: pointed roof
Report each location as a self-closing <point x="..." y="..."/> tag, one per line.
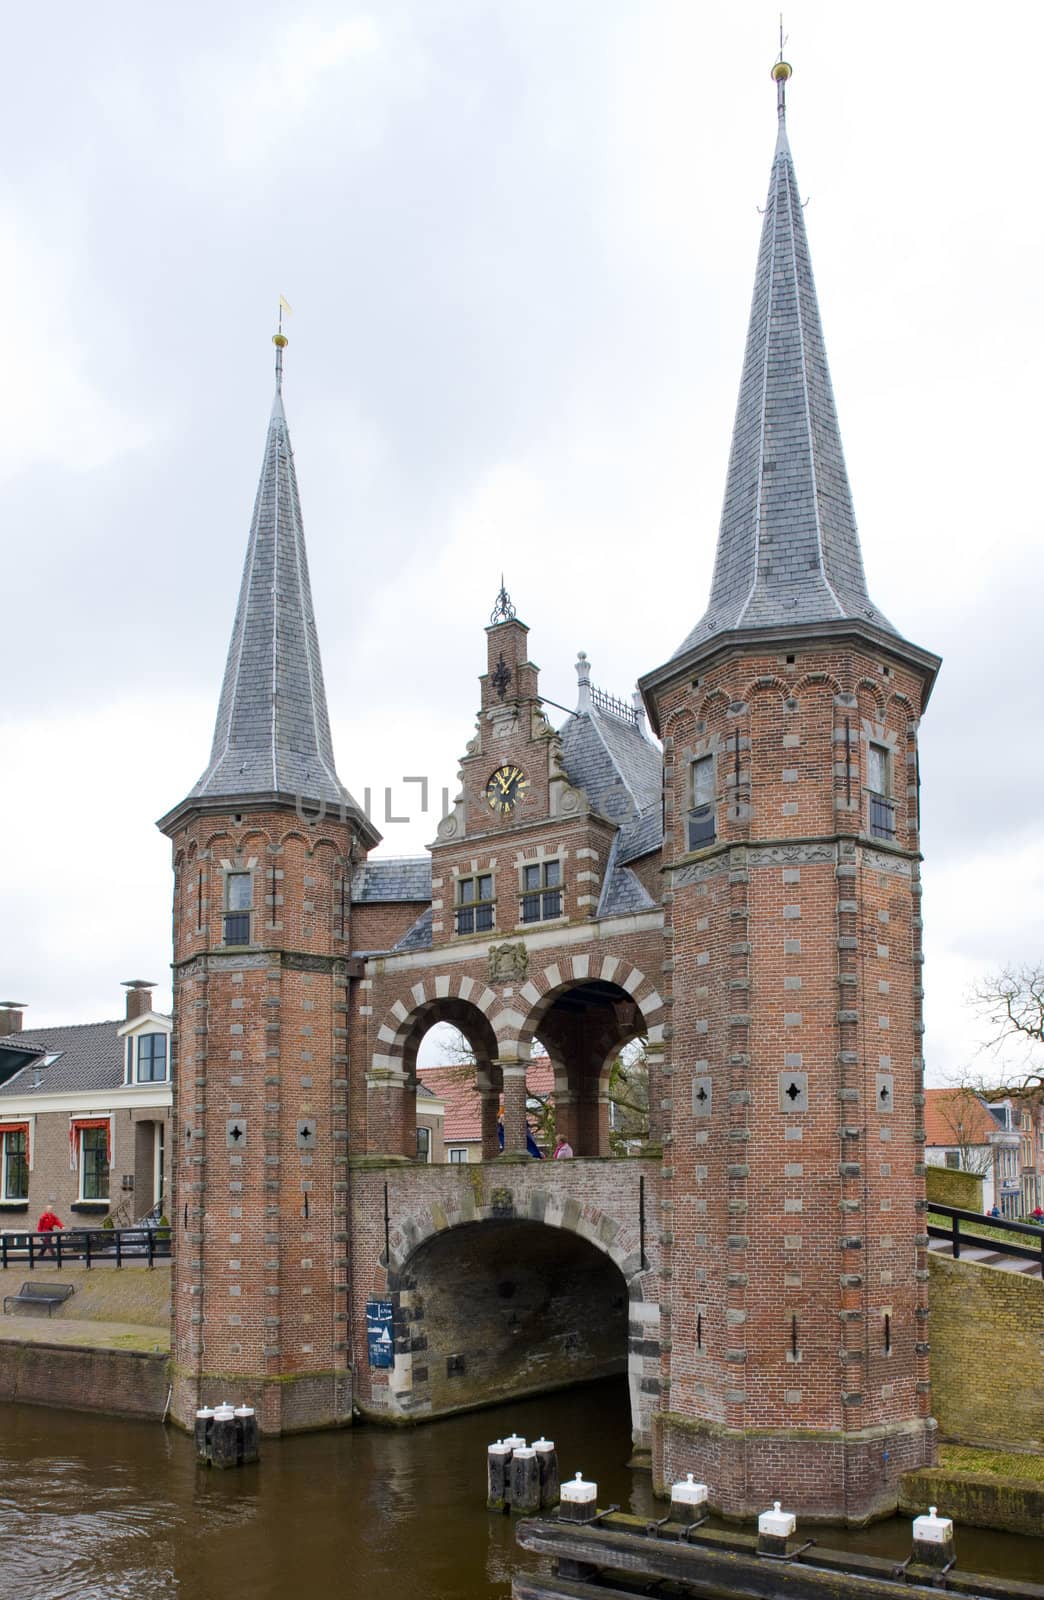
<point x="788" y="548"/>
<point x="788" y="557"/>
<point x="272" y="735"/>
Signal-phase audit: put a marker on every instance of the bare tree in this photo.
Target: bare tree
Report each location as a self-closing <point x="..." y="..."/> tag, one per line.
<point x="1011" y="1003"/>
<point x="629" y="1096"/>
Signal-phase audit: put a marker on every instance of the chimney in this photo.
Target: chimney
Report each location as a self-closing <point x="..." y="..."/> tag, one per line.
<point x="11" y="1012"/>
<point x="139" y="996"/>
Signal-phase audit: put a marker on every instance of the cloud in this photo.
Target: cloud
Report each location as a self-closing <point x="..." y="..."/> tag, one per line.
<point x="52" y="413"/>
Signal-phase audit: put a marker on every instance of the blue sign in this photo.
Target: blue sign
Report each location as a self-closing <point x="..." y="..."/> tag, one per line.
<point x="379" y="1342"/>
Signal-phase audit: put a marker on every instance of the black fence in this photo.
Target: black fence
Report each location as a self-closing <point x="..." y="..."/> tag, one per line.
<point x="89" y="1245"/>
<point x="958" y="1233"/>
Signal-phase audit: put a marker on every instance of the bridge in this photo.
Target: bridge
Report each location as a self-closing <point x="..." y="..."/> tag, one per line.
<point x="507" y="1278"/>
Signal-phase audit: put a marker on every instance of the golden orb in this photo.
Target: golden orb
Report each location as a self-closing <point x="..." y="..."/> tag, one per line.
<point x="782" y="71"/>
<point x="280" y="340"/>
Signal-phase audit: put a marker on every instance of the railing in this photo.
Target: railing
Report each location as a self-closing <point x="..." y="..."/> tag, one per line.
<point x="85" y="1244"/>
<point x="959" y="1236"/>
<point x="882" y="817"/>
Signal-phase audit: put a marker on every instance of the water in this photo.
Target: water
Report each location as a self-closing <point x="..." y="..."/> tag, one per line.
<point x="96" y="1509"/>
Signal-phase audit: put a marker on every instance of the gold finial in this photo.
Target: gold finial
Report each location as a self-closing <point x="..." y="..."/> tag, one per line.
<point x="281" y="341"/>
<point x="782" y="71"/>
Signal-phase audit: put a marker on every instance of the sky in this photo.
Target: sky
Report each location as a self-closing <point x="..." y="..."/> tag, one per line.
<point x="519" y="243"/>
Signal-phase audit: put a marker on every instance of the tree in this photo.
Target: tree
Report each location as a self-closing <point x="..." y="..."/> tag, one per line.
<point x="629" y="1098"/>
<point x="1011" y="1003"/>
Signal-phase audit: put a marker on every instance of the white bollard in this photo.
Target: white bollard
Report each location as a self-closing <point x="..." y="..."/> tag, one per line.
<point x="578" y="1500"/>
<point x="525" y="1480"/>
<point x="688" y="1501"/>
<point x="933" y="1541"/>
<point x="774" y="1529"/>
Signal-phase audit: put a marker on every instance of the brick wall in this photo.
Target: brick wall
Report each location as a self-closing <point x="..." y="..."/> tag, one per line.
<point x="121" y="1383"/>
<point x="987" y="1354"/>
<point x="946" y="1186"/>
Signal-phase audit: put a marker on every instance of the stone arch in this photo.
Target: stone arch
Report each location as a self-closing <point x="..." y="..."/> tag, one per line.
<point x="584" y="1009"/>
<point x="442" y="997"/>
<point x="478" y="1230"/>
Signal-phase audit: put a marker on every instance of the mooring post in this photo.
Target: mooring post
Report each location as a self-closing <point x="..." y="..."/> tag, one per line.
<point x="775" y="1527"/>
<point x="578" y="1502"/>
<point x="525" y="1480"/>
<point x="688" y="1501"/>
<point x="204" y="1422"/>
<point x="933" y="1541"/>
<point x="547" y="1462"/>
<point x="224" y="1441"/>
<point x="248" y="1437"/>
<point x="498" y="1475"/>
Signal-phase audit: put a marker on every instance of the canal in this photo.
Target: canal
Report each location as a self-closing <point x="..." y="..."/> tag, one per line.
<point x="97" y="1509"/>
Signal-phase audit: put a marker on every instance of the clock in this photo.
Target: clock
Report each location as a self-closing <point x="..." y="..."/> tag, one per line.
<point x="505" y="788"/>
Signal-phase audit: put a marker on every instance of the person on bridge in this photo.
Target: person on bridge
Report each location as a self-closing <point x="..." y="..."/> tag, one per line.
<point x="563" y="1149"/>
<point x="47" y="1224"/>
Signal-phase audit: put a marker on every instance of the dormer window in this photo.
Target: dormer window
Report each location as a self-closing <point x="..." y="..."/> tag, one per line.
<point x="700" y="828"/>
<point x="152" y="1057"/>
<point x="475" y="903"/>
<point x="542" y="891"/>
<point x="878" y="774"/>
<point x="238" y="902"/>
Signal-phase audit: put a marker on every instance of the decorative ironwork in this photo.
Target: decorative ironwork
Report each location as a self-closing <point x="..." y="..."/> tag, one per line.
<point x="500" y="678"/>
<point x="614" y="707"/>
<point x="503" y="610"/>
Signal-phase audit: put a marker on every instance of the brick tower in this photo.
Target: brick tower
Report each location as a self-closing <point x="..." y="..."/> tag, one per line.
<point x="795" y="1350"/>
<point x="263" y="850"/>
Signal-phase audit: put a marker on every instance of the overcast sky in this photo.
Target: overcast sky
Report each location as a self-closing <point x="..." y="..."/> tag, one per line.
<point x="519" y="239"/>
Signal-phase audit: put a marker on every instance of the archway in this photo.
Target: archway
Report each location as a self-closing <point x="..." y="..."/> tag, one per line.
<point x="583" y="1027"/>
<point x="508" y="1307"/>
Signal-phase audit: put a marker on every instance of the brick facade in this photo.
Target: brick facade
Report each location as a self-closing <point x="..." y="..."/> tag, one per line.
<point x="746" y="901"/>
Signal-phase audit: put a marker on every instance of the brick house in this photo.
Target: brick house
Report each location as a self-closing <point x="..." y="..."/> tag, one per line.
<point x="85" y="1116"/>
<point x="975" y="1135"/>
<point x="453" y="1088"/>
<point x="728" y="870"/>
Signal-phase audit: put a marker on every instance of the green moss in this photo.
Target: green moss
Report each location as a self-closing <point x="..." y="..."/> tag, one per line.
<point x="997" y="1463"/>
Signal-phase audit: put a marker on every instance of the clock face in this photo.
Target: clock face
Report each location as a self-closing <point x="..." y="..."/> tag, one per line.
<point x="505" y="788"/>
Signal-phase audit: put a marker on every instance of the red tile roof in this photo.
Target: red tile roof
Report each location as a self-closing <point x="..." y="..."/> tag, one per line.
<point x="955" y="1117"/>
<point x="455" y="1086"/>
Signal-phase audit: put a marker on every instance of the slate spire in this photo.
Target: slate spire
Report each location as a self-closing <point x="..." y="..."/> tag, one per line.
<point x="272" y="736"/>
<point x="788" y="549"/>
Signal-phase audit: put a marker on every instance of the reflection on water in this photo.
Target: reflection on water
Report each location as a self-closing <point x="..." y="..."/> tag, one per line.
<point x="95" y="1509"/>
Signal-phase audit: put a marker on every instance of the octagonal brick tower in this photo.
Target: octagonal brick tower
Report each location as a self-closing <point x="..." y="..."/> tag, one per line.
<point x="795" y="1358"/>
<point x="264" y="846"/>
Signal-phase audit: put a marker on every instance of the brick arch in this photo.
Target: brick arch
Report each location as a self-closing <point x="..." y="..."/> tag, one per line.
<point x="618" y="1240"/>
<point x="541" y="990"/>
<point x="817" y="680"/>
<point x="877" y="694"/>
<point x="766" y="683"/>
<point x="428" y="995"/>
<point x="704" y="707"/>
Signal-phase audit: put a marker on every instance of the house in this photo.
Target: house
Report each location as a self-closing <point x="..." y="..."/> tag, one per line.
<point x="85" y="1116"/>
<point x="1031" y="1136"/>
<point x="458" y="1095"/>
<point x="974" y="1135"/>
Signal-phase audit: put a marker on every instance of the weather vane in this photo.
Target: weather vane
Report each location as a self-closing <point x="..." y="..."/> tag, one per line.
<point x="503" y="611"/>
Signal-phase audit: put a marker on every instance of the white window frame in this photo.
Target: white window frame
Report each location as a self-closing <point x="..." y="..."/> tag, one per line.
<point x="458" y="1155"/>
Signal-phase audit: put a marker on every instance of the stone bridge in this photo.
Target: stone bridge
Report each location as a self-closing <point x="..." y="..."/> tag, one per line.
<point x="507" y="1278"/>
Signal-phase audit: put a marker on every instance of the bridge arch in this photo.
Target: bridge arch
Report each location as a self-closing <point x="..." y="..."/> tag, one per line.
<point x="502" y="1291"/>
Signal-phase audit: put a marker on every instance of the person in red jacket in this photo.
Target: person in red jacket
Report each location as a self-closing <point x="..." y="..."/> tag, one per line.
<point x="47" y="1224"/>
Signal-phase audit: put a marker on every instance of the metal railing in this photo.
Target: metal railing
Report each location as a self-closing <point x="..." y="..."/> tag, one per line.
<point x="88" y="1245"/>
<point x="959" y="1235"/>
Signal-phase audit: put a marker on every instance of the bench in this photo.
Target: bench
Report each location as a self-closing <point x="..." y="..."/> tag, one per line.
<point x="40" y="1294"/>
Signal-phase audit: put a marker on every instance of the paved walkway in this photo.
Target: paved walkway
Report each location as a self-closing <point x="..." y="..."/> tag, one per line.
<point x="25" y="1329"/>
<point x="988" y="1258"/>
